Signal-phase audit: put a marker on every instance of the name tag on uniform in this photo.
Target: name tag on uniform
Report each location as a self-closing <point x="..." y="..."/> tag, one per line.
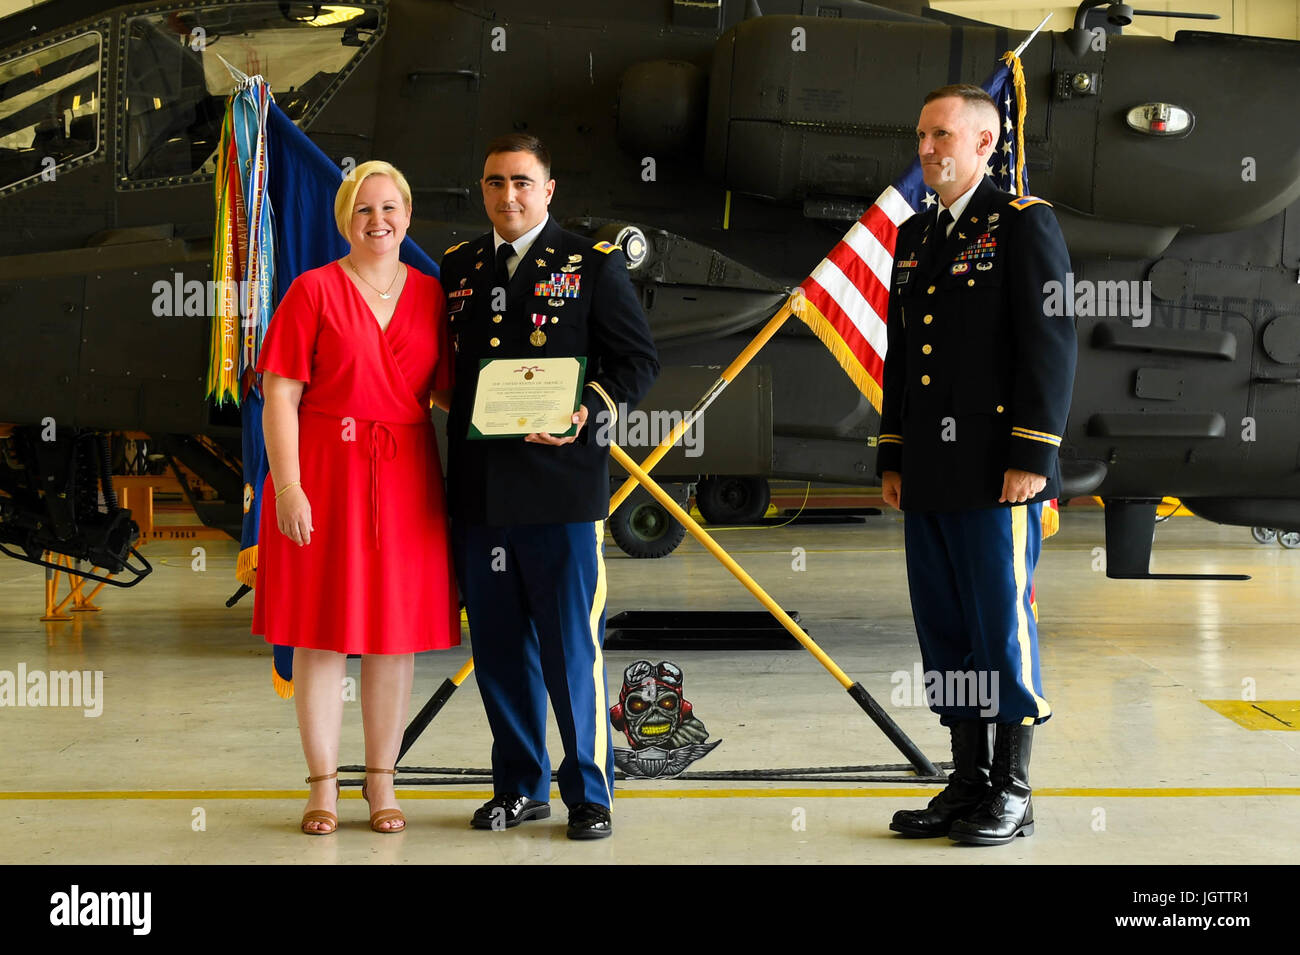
<point x="456" y="300"/>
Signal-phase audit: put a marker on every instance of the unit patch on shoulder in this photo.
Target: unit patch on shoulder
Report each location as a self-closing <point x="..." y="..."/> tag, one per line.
<point x="1024" y="202"/>
<point x="455" y="247"/>
<point x="606" y="247"/>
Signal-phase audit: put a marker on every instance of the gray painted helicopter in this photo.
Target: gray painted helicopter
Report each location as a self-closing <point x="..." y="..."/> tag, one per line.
<point x="725" y="159"/>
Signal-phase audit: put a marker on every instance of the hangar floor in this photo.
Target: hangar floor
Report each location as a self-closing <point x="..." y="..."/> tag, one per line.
<point x="195" y="760"/>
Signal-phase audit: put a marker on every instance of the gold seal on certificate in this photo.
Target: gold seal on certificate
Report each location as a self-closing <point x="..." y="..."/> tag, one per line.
<point x="519" y="396"/>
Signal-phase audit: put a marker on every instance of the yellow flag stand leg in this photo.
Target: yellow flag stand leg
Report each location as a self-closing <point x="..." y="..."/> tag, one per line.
<point x="432" y="708"/>
<point x="726" y="378"/>
<point x="449" y="686"/>
<point x="919" y="761"/>
<point x="887" y="726"/>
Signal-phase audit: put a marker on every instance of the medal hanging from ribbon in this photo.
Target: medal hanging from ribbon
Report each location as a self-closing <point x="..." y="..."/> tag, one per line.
<point x="538" y="337"/>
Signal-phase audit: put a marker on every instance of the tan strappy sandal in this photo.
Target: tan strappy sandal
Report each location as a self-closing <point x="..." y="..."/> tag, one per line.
<point x="321" y="815"/>
<point x="383" y="815"/>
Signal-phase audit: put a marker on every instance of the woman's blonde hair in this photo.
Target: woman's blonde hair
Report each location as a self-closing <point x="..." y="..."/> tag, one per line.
<point x="346" y="197"/>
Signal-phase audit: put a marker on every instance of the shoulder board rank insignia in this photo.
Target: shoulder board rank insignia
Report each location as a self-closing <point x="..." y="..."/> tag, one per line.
<point x="455" y="247"/>
<point x="606" y="247"/>
<point x="1024" y="202"/>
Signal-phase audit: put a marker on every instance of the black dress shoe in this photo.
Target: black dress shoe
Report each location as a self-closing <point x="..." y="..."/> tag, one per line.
<point x="1009" y="811"/>
<point x="508" y="810"/>
<point x="587" y="820"/>
<point x="968" y="785"/>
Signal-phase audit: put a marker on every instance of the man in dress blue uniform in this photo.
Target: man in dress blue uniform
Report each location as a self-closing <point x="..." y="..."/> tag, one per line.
<point x="977" y="389"/>
<point x="528" y="513"/>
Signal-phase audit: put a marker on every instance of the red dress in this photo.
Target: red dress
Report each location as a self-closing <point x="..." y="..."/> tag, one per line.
<point x="377" y="576"/>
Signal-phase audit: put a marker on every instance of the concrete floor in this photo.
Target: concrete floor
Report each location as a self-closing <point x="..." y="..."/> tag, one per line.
<point x="194" y="758"/>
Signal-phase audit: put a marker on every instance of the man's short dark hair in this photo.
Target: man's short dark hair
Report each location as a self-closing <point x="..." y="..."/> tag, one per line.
<point x="523" y="143"/>
<point x="971" y="94"/>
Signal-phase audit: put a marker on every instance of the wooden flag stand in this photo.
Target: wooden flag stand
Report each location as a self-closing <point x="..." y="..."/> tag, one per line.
<point x="926" y="770"/>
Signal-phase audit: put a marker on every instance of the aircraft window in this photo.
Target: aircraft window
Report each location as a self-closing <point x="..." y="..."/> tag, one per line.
<point x="49" y="108"/>
<point x="176" y="84"/>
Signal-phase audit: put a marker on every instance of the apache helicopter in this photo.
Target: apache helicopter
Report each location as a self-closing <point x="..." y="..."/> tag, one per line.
<point x="723" y="158"/>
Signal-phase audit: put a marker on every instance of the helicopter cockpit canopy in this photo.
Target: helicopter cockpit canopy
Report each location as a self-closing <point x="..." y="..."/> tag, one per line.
<point x="49" y="108"/>
<point x="176" y="83"/>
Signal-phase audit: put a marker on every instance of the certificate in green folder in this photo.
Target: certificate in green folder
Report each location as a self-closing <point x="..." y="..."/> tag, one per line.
<point x="521" y="396"/>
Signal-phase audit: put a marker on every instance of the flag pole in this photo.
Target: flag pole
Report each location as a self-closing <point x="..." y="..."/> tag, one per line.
<point x="727" y="377"/>
<point x="1029" y="39"/>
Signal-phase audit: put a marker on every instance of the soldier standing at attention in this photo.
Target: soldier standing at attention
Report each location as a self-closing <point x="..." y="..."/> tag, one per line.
<point x="528" y="513"/>
<point x="977" y="389"/>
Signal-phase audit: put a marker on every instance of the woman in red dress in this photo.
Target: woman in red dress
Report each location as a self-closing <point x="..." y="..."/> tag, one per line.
<point x="354" y="554"/>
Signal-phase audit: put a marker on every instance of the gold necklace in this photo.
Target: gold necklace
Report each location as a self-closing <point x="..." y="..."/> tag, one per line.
<point x="384" y="293"/>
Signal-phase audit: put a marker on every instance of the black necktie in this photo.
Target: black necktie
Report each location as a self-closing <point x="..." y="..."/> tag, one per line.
<point x="504" y="252"/>
<point x="945" y="220"/>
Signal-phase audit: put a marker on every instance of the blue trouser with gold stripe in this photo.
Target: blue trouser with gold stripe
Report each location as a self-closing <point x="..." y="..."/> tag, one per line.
<point x="535" y="600"/>
<point x="970" y="574"/>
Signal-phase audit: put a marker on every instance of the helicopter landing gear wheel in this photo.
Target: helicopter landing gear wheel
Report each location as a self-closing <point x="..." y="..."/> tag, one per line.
<point x="642" y="527"/>
<point x="733" y="500"/>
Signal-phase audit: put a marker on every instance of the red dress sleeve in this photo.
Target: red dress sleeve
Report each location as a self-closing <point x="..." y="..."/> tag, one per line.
<point x="290" y="343"/>
<point x="444" y="375"/>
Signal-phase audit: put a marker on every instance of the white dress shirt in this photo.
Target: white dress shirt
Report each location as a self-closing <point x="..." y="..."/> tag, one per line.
<point x="521" y="245"/>
<point x="958" y="206"/>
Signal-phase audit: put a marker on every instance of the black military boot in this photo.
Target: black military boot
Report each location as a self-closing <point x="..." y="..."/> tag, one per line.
<point x="968" y="785"/>
<point x="1008" y="812"/>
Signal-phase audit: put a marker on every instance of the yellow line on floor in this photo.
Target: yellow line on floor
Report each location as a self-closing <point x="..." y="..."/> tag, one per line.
<point x="883" y="792"/>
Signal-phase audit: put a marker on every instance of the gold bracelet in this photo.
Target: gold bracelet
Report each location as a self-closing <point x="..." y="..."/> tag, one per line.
<point x="286" y="487"/>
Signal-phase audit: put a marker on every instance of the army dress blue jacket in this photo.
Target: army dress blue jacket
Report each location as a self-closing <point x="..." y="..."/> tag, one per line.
<point x="977" y="377"/>
<point x="587" y="306"/>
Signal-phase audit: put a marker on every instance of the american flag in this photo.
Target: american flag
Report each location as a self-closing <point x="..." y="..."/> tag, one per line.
<point x="846" y="298"/>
